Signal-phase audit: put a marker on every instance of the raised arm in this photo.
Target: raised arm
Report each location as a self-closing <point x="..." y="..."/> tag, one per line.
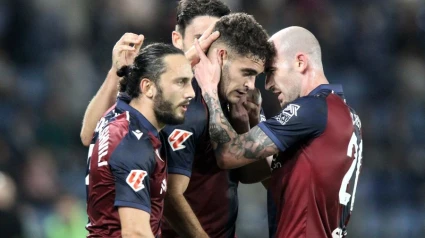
<point x="123" y="53"/>
<point x="232" y="150"/>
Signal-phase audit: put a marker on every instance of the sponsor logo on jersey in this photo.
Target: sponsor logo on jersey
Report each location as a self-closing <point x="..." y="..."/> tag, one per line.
<point x="138" y="134"/>
<point x="135" y="179"/>
<point x="177" y="138"/>
<point x="287" y="113"/>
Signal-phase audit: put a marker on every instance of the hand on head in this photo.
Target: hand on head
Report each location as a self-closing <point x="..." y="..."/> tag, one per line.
<point x="205" y="41"/>
<point x="208" y="70"/>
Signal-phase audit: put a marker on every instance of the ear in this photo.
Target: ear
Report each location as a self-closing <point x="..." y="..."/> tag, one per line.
<point x="222" y="53"/>
<point x="177" y="39"/>
<point x="147" y="87"/>
<point x="301" y="62"/>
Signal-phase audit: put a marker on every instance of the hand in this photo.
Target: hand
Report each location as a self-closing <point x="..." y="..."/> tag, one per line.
<point x="239" y="117"/>
<point x="253" y="106"/>
<point x="208" y="72"/>
<point x="207" y="38"/>
<point x="123" y="54"/>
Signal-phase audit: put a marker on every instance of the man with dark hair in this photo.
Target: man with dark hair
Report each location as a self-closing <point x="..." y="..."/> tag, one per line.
<point x="193" y="18"/>
<point x="211" y="191"/>
<point x="127" y="175"/>
<point x="317" y="135"/>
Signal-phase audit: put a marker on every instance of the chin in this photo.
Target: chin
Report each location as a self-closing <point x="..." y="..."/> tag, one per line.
<point x="233" y="99"/>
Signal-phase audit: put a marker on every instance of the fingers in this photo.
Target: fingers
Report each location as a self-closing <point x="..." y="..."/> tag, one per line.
<point x="207" y="32"/>
<point x="138" y="46"/>
<point x="206" y="43"/>
<point x="121" y="48"/>
<point x="201" y="53"/>
<point x="131" y="38"/>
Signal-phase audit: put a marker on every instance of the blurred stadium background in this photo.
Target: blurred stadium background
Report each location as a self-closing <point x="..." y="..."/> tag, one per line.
<point x="54" y="54"/>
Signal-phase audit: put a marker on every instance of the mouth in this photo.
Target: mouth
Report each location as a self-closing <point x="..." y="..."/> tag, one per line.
<point x="184" y="106"/>
<point x="241" y="92"/>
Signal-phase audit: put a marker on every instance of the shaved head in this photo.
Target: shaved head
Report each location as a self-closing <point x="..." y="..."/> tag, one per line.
<point x="295" y="39"/>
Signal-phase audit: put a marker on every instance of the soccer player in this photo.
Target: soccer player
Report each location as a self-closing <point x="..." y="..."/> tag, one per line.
<point x="317" y="135"/>
<point x="211" y="192"/>
<point x="127" y="174"/>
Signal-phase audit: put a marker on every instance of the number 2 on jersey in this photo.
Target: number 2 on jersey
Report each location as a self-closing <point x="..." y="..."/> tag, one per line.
<point x="355" y="148"/>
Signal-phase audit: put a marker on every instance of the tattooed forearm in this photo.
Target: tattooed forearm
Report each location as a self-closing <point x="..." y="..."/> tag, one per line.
<point x="218" y="134"/>
<point x="252" y="145"/>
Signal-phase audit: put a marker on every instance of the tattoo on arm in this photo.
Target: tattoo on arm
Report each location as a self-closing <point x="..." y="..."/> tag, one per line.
<point x="252" y="145"/>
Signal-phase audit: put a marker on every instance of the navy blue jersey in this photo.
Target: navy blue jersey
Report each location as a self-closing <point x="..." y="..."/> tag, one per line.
<point x="125" y="169"/>
<point x="212" y="192"/>
<point x="320" y="143"/>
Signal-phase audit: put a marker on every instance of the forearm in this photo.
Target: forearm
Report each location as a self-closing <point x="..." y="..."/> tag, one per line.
<point x="226" y="142"/>
<point x="104" y="99"/>
<point x="137" y="233"/>
<point x="180" y="216"/>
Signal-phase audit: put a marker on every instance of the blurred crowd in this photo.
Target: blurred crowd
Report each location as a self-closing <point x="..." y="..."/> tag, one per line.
<point x="54" y="55"/>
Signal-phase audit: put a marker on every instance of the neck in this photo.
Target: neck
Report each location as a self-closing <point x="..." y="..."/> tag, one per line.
<point x="315" y="78"/>
<point x="145" y="108"/>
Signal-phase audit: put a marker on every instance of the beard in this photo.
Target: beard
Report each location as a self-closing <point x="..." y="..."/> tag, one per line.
<point x="223" y="84"/>
<point x="165" y="111"/>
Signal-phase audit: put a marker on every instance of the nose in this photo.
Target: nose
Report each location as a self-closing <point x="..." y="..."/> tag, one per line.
<point x="250" y="84"/>
<point x="189" y="92"/>
<point x="269" y="83"/>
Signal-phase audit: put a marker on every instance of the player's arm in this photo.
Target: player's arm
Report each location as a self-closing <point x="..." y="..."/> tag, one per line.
<point x="177" y="211"/>
<point x="182" y="143"/>
<point x="135" y="223"/>
<point x="122" y="54"/>
<point x="243" y="115"/>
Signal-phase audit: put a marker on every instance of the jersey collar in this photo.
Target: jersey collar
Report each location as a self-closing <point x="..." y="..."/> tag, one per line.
<point x="336" y="88"/>
<point x="142" y="119"/>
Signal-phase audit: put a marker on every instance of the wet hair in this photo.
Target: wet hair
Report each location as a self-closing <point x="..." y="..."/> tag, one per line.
<point x="149" y="63"/>
<point x="187" y="10"/>
<point x="243" y="35"/>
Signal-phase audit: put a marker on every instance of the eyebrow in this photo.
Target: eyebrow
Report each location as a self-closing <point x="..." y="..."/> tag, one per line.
<point x="269" y="69"/>
<point x="182" y="78"/>
<point x="249" y="71"/>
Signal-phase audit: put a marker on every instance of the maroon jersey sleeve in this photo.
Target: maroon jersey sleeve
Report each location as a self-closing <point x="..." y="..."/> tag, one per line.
<point x="132" y="164"/>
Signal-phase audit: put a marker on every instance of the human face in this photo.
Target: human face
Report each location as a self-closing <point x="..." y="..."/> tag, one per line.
<point x="238" y="76"/>
<point x="174" y="91"/>
<point x="282" y="79"/>
<point x="195" y="29"/>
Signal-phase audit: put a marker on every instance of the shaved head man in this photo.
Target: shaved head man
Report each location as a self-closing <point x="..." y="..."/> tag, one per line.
<point x="298" y="64"/>
<point x="317" y="137"/>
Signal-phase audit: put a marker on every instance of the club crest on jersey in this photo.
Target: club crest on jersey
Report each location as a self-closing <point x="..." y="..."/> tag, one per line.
<point x="287" y="113"/>
<point x="135" y="179"/>
<point x="177" y="138"/>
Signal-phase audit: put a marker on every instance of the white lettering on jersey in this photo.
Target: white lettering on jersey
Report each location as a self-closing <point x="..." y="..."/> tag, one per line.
<point x="163" y="186"/>
<point x="103" y="146"/>
<point x="287" y="113"/>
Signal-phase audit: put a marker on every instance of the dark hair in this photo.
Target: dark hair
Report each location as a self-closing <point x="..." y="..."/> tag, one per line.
<point x="245" y="36"/>
<point x="149" y="63"/>
<point x="187" y="10"/>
